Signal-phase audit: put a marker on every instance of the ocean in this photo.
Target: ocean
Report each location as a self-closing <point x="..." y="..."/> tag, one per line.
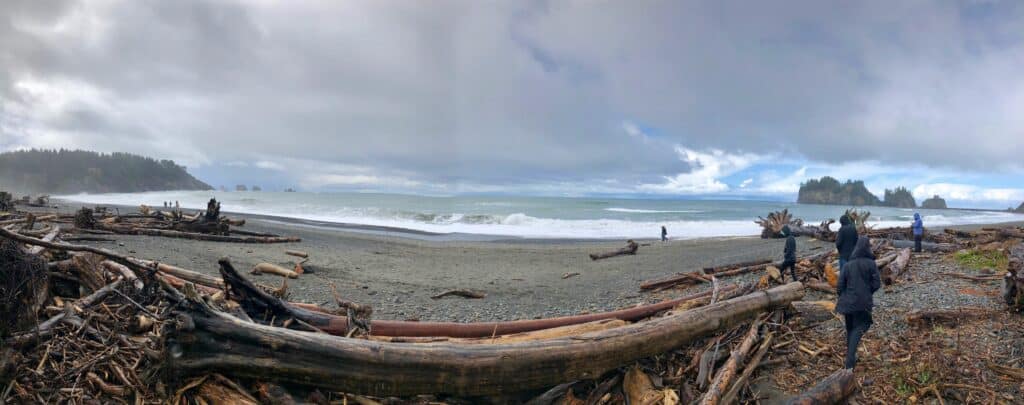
<point x="533" y="217"/>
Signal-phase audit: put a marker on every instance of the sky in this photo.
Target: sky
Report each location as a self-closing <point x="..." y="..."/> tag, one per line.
<point x="667" y="99"/>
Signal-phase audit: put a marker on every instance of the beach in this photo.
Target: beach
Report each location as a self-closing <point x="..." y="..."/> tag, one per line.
<point x="397" y="272"/>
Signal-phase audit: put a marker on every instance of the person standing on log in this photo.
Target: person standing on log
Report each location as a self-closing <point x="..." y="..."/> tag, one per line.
<point x="918" y="226"/>
<point x="858" y="281"/>
<point x="789" y="253"/>
<point x="846" y="239"/>
<point x="664" y="233"/>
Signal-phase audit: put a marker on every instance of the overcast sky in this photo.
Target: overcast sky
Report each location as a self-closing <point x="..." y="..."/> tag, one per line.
<point x="666" y="98"/>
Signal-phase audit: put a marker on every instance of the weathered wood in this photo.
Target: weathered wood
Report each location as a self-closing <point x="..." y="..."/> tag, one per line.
<point x="297" y="253"/>
<point x="719" y="269"/>
<point x="725" y="374"/>
<point x="926" y="246"/>
<point x="460" y="293"/>
<point x="49" y="237"/>
<point x="921" y="317"/>
<point x="204" y="340"/>
<point x="257" y="302"/>
<point x="895" y="269"/>
<point x="834" y="389"/>
<point x="268" y="268"/>
<point x="130" y="230"/>
<point x="630" y="249"/>
<point x="733" y="394"/>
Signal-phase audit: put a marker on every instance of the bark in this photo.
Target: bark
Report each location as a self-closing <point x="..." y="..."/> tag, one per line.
<point x="834" y="389"/>
<point x="460" y="293"/>
<point x="297" y="253"/>
<point x="204" y="340"/>
<point x="49" y="237"/>
<point x="921" y="317"/>
<point x="819" y="286"/>
<point x="630" y="249"/>
<point x="815" y="311"/>
<point x="719" y="269"/>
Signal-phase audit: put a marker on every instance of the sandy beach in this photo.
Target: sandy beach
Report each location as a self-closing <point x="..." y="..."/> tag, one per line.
<point x="397" y="273"/>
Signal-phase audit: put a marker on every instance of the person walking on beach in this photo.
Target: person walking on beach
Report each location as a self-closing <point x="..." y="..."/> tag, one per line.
<point x="858" y="281"/>
<point x="789" y="253"/>
<point x="664" y="233"/>
<point x="846" y="239"/>
<point x="918" y="232"/>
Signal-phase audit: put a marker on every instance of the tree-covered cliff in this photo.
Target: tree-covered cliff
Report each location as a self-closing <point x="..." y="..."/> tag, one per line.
<point x="75" y="171"/>
<point x="899" y="198"/>
<point x="830" y="191"/>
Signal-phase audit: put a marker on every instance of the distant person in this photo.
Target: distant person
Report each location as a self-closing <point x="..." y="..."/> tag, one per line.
<point x="858" y="282"/>
<point x="664" y="233"/>
<point x="789" y="253"/>
<point x="846" y="239"/>
<point x="918" y="232"/>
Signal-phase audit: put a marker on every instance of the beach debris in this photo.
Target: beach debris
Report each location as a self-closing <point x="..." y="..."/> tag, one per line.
<point x="297" y="253"/>
<point x="460" y="293"/>
<point x="725" y="374"/>
<point x="834" y="389"/>
<point x="895" y="268"/>
<point x="630" y="249"/>
<point x="487" y="369"/>
<point x="570" y="274"/>
<point x="268" y="268"/>
<point x="927" y="317"/>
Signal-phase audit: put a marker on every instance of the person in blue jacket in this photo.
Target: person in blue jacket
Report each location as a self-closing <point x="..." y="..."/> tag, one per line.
<point x="858" y="281"/>
<point x="918" y="231"/>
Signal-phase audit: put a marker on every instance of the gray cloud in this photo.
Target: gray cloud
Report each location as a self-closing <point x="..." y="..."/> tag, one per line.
<point x="458" y="92"/>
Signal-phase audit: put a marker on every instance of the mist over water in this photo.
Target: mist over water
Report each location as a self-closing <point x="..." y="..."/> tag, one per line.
<point x="534" y="217"/>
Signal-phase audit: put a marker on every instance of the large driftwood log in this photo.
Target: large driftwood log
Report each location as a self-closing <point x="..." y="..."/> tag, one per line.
<point x="257" y="303"/>
<point x="834" y="389"/>
<point x="131" y="230"/>
<point x="204" y="340"/>
<point x="896" y="267"/>
<point x="630" y="249"/>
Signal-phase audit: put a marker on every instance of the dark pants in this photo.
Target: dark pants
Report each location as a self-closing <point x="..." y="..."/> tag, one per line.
<point x="664" y="238"/>
<point x="842" y="262"/>
<point x="792" y="269"/>
<point x="857" y="324"/>
<point x="917" y="243"/>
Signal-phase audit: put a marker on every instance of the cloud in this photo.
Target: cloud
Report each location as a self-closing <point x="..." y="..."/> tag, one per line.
<point x="970" y="193"/>
<point x="706" y="170"/>
<point x="524" y="95"/>
<point x="746" y="183"/>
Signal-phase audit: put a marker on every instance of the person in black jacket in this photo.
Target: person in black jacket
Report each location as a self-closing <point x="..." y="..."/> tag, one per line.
<point x="858" y="281"/>
<point x="789" y="253"/>
<point x="846" y="239"/>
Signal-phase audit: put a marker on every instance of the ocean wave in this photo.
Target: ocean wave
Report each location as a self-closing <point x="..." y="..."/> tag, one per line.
<point x="642" y="211"/>
<point x="386" y="213"/>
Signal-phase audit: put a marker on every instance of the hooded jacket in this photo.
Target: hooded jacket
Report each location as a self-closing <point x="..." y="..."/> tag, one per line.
<point x="858" y="280"/>
<point x="918" y="225"/>
<point x="846" y="238"/>
<point x="789" y="253"/>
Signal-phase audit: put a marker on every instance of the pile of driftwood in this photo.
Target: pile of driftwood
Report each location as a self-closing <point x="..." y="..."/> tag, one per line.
<point x="99" y="326"/>
<point x="771" y="227"/>
<point x="207" y="225"/>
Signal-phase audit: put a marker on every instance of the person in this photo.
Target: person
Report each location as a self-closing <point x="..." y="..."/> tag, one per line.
<point x="846" y="239"/>
<point x="858" y="281"/>
<point x="664" y="233"/>
<point x="918" y="232"/>
<point x="789" y="253"/>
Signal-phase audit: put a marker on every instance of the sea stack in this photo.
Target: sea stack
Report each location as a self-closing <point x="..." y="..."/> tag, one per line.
<point x="935" y="203"/>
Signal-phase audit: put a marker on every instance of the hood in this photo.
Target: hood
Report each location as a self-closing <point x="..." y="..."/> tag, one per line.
<point x="844" y="220"/>
<point x="785" y="230"/>
<point x="917" y="217"/>
<point x="863" y="249"/>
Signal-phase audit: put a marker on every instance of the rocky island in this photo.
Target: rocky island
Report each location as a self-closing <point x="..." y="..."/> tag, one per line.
<point x="935" y="203"/>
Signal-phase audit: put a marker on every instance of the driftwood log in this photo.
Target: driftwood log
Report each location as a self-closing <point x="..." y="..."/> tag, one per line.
<point x="895" y="268"/>
<point x="834" y="389"/>
<point x="926" y="246"/>
<point x="203" y="340"/>
<point x="630" y="249"/>
<point x="258" y="302"/>
<point x="736" y="359"/>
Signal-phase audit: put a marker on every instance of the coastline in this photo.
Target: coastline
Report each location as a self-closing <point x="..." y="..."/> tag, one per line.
<point x="397" y="271"/>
